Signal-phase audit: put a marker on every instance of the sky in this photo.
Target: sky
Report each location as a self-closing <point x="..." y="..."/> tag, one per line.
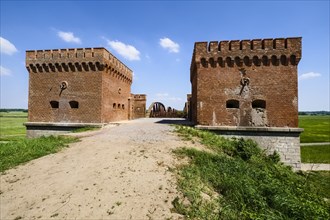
<point x="155" y="39"/>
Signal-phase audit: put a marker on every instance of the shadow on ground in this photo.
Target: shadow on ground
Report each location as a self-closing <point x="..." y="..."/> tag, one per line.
<point x="175" y="121"/>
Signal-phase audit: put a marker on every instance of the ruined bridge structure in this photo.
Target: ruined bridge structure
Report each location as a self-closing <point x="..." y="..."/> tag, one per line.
<point x="249" y="89"/>
<point x="158" y="110"/>
<point x="79" y="87"/>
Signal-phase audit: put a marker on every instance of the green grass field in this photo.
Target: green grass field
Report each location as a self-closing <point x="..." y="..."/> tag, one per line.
<point x="11" y="125"/>
<point x="315" y="154"/>
<point x="316" y="128"/>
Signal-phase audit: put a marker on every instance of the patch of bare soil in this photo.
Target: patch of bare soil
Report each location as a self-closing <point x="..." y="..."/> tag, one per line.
<point x="118" y="172"/>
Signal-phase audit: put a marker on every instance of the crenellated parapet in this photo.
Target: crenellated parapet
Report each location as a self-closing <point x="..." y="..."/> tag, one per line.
<point x="140" y="97"/>
<point x="257" y="52"/>
<point x="77" y="60"/>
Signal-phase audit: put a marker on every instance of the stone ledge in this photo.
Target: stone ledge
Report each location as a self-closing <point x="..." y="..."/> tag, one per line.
<point x="60" y="124"/>
<point x="250" y="129"/>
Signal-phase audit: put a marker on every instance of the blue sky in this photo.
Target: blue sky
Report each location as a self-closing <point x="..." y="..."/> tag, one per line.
<point x="156" y="40"/>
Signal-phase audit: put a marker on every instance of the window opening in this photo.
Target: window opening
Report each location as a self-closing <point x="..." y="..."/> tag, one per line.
<point x="232" y="103"/>
<point x="54" y="104"/>
<point x="259" y="103"/>
<point x="74" y="104"/>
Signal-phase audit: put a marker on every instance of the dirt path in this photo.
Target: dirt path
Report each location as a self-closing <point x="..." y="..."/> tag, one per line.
<point x="119" y="172"/>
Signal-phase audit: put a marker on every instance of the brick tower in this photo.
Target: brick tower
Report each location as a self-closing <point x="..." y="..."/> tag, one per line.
<point x="76" y="87"/>
<point x="247" y="85"/>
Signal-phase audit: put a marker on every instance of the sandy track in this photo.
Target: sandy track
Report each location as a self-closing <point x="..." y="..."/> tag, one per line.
<point x="119" y="172"/>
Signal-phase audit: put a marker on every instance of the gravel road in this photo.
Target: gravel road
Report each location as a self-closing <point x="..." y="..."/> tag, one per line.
<point x="118" y="172"/>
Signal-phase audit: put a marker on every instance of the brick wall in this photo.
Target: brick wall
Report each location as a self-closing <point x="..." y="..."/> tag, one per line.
<point x="77" y="86"/>
<point x="246" y="83"/>
<point x="138" y="105"/>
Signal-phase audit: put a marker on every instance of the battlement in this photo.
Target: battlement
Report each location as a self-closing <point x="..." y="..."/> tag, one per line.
<point x="139" y="96"/>
<point x="258" y="45"/>
<point x="240" y="53"/>
<point x="76" y="59"/>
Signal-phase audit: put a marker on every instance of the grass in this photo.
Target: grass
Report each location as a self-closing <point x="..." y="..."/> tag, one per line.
<point x="316" y="128"/>
<point x="234" y="179"/>
<point x="16" y="149"/>
<point x="315" y="154"/>
<point x="84" y="129"/>
<point x="321" y="180"/>
<point x="11" y="125"/>
<point x="17" y="152"/>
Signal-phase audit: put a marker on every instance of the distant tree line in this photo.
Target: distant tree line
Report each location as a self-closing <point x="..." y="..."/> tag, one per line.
<point x="13" y="110"/>
<point x="315" y="113"/>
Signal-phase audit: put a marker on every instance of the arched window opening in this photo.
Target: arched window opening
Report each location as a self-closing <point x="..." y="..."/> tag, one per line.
<point x="118" y="105"/>
<point x="114" y="105"/>
<point x="229" y="62"/>
<point x="284" y="60"/>
<point x="238" y="61"/>
<point x="74" y="104"/>
<point x="293" y="60"/>
<point x="246" y="61"/>
<point x="221" y="62"/>
<point x="54" y="104"/>
<point x="256" y="61"/>
<point x="259" y="103"/>
<point x="274" y="60"/>
<point x="264" y="60"/>
<point x="204" y="63"/>
<point x="232" y="103"/>
<point x="212" y="63"/>
<point x="123" y="106"/>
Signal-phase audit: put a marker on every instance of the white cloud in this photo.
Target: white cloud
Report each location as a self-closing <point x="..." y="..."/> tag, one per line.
<point x="127" y="51"/>
<point x="4" y="71"/>
<point x="7" y="47"/>
<point x="170" y="45"/>
<point x="68" y="37"/>
<point x="309" y="75"/>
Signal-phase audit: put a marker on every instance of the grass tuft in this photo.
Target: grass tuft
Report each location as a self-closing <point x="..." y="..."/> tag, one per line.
<point x="242" y="182"/>
<point x="17" y="152"/>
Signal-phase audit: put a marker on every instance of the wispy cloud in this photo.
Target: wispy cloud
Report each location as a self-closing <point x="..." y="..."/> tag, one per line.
<point x="309" y="75"/>
<point x="4" y="71"/>
<point x="68" y="37"/>
<point x="125" y="50"/>
<point x="7" y="47"/>
<point x="169" y="45"/>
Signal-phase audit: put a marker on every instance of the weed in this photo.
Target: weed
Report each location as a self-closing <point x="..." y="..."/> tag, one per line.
<point x="118" y="203"/>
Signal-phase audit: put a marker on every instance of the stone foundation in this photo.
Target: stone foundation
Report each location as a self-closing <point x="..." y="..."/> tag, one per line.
<point x="285" y="141"/>
<point x="38" y="129"/>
